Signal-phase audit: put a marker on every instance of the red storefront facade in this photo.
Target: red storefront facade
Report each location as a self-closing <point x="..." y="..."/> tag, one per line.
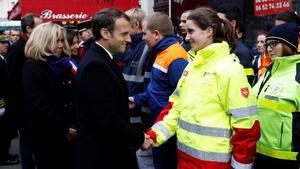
<point x="67" y="10"/>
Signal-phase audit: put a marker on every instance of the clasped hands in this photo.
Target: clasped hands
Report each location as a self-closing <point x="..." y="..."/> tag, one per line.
<point x="148" y="143"/>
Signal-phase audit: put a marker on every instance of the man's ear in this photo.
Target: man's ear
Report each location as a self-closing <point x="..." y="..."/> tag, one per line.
<point x="137" y="25"/>
<point x="157" y="35"/>
<point x="105" y="34"/>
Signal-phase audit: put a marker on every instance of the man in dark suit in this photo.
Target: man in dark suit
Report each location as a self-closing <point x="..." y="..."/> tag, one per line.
<point x="16" y="105"/>
<point x="105" y="137"/>
<point x="6" y="129"/>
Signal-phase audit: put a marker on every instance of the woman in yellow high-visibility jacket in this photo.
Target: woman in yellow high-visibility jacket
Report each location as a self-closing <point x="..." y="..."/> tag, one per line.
<point x="212" y="110"/>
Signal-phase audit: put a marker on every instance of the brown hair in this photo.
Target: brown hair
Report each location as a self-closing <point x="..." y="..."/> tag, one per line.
<point x="262" y="33"/>
<point x="161" y="22"/>
<point x="222" y="30"/>
<point x="286" y="50"/>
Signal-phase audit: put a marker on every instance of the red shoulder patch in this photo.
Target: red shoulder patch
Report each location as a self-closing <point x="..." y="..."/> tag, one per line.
<point x="245" y="92"/>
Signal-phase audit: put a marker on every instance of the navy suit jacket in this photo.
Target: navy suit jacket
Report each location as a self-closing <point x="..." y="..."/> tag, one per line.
<point x="105" y="137"/>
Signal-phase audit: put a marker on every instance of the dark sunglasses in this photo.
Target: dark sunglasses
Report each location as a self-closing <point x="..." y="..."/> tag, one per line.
<point x="272" y="44"/>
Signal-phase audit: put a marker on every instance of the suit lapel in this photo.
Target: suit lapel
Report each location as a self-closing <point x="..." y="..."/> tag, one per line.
<point x="110" y="62"/>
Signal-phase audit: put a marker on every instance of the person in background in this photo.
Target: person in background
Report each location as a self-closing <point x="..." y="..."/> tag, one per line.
<point x="6" y="128"/>
<point x="6" y="34"/>
<point x="278" y="101"/>
<point x="183" y="30"/>
<point x="84" y="45"/>
<point x="48" y="76"/>
<point x="241" y="31"/>
<point x="73" y="41"/>
<point x="85" y="35"/>
<point x="262" y="60"/>
<point x="232" y="14"/>
<point x="14" y="36"/>
<point x="285" y="17"/>
<point x="170" y="60"/>
<point x="105" y="137"/>
<point x="16" y="104"/>
<point x="288" y="16"/>
<point x="212" y="110"/>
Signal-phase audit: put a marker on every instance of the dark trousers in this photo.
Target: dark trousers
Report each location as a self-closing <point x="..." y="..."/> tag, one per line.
<point x="26" y="152"/>
<point x="265" y="162"/>
<point x="51" y="152"/>
<point x="165" y="156"/>
<point x="4" y="146"/>
<point x="5" y="137"/>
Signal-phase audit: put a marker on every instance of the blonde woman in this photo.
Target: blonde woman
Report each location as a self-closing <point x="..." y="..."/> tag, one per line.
<point x="47" y="80"/>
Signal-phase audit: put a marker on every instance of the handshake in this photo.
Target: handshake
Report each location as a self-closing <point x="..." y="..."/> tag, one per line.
<point x="131" y="104"/>
<point x="148" y="143"/>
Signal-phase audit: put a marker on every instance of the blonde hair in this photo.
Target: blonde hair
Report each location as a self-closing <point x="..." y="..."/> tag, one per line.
<point x="43" y="41"/>
<point x="136" y="15"/>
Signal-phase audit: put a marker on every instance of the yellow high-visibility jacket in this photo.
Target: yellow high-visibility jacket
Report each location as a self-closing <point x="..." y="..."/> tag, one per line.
<point x="213" y="113"/>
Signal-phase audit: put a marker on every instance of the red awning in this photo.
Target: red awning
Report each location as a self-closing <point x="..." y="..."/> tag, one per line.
<point x="71" y="10"/>
<point x="15" y="12"/>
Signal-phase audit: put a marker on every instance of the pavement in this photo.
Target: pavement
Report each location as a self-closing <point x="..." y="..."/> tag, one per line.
<point x="14" y="149"/>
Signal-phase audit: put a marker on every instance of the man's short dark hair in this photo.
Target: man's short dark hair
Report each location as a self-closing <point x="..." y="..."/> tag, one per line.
<point x="231" y="12"/>
<point x="106" y="18"/>
<point x="28" y="20"/>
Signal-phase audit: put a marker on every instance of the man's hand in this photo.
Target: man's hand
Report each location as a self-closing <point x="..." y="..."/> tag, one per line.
<point x="72" y="133"/>
<point x="131" y="104"/>
<point x="148" y="143"/>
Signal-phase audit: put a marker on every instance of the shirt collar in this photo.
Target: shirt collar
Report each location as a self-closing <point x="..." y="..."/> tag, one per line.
<point x="2" y="57"/>
<point x="110" y="55"/>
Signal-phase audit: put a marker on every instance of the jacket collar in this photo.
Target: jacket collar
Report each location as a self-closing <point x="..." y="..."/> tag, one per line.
<point x="2" y="57"/>
<point x="136" y="38"/>
<point x="165" y="43"/>
<point x="212" y="52"/>
<point x="110" y="55"/>
<point x="99" y="49"/>
<point x="102" y="52"/>
<point x="285" y="62"/>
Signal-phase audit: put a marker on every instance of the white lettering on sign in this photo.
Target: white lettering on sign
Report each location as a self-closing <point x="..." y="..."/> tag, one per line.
<point x="268" y="7"/>
<point x="48" y="14"/>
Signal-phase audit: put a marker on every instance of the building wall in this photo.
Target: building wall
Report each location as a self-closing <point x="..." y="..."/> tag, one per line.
<point x="5" y="6"/>
<point x="147" y="6"/>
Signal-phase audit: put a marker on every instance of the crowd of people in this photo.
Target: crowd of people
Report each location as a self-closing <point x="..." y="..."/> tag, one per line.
<point x="129" y="92"/>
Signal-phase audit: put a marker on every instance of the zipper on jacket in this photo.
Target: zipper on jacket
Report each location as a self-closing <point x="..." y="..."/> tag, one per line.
<point x="281" y="133"/>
